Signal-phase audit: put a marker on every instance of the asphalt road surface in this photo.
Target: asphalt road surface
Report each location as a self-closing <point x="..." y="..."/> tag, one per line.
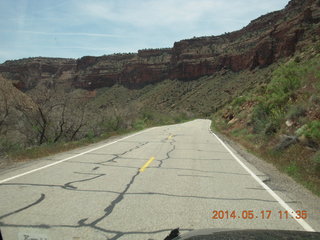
<point x="140" y="187"/>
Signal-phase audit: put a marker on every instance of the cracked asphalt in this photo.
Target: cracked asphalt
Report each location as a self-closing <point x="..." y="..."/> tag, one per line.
<point x="102" y="194"/>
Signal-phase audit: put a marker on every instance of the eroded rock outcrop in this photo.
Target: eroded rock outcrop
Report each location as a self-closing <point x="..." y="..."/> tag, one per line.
<point x="264" y="41"/>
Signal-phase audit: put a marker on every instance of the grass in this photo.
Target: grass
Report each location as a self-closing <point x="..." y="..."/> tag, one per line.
<point x="292" y="170"/>
<point x="239" y="132"/>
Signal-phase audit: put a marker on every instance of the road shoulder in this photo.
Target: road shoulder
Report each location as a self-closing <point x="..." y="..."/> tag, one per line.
<point x="279" y="181"/>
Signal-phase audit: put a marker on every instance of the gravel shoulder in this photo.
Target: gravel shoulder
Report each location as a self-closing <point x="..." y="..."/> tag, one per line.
<point x="281" y="182"/>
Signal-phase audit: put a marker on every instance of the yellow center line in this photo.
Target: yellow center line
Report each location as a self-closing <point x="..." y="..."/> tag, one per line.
<point x="146" y="164"/>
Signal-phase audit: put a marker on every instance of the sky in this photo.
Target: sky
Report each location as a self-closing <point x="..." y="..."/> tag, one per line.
<point x="76" y="28"/>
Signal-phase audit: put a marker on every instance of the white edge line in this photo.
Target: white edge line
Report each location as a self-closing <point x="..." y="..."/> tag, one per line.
<point x="303" y="223"/>
<point x="68" y="158"/>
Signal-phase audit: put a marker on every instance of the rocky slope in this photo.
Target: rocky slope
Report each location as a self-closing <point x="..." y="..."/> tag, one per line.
<point x="264" y="41"/>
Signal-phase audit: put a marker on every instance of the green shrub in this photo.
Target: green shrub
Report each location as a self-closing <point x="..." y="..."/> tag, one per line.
<point x="313" y="130"/>
<point x="111" y="124"/>
<point x="239" y="101"/>
<point x="297" y="59"/>
<point x="270" y="111"/>
<point x="238" y="132"/>
<point x="277" y="100"/>
<point x="7" y="146"/>
<point x="90" y="134"/>
<point x="300" y="131"/>
<point x="284" y="82"/>
<point x="266" y="119"/>
<point x="295" y="112"/>
<point x="271" y="128"/>
<point x="260" y="117"/>
<point x="316" y="161"/>
<point x="148" y="115"/>
<point x="317" y="46"/>
<point x="286" y="79"/>
<point x="139" y="124"/>
<point x="251" y="137"/>
<point x="178" y="118"/>
<point x="316" y="157"/>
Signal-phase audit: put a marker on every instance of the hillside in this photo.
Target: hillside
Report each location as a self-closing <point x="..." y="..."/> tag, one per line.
<point x="280" y="121"/>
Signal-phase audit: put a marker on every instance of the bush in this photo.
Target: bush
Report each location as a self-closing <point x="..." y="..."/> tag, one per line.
<point x="239" y="101"/>
<point x="270" y="111"/>
<point x="297" y="59"/>
<point x="316" y="157"/>
<point x="284" y="82"/>
<point x="312" y="130"/>
<point x="286" y="79"/>
<point x="295" y="112"/>
<point x="139" y="124"/>
<point x="277" y="100"/>
<point x="266" y="118"/>
<point x="238" y="132"/>
<point x="271" y="128"/>
<point x="148" y="115"/>
<point x="300" y="131"/>
<point x="316" y="161"/>
<point x="7" y="146"/>
<point x="90" y="134"/>
<point x="259" y="117"/>
<point x="181" y="117"/>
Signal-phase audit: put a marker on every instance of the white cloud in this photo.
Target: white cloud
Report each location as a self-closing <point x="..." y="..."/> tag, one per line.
<point x="178" y="15"/>
<point x="58" y="28"/>
<point x="149" y="13"/>
<point x="84" y="48"/>
<point x="67" y="33"/>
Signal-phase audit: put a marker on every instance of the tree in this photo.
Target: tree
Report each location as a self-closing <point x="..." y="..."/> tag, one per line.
<point x="58" y="116"/>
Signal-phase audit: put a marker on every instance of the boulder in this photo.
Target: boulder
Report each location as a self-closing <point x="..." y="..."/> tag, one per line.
<point x="289" y="123"/>
<point x="232" y="121"/>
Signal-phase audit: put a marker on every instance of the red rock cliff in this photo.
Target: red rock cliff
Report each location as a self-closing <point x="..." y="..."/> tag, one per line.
<point x="262" y="42"/>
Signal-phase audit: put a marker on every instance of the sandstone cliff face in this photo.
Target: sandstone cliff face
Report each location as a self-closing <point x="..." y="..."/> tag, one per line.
<point x="264" y="41"/>
<point x="27" y="73"/>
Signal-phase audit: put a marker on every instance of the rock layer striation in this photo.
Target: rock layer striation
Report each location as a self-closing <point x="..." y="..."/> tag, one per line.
<point x="264" y="41"/>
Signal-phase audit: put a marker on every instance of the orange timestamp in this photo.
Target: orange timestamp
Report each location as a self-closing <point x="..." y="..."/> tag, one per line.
<point x="264" y="214"/>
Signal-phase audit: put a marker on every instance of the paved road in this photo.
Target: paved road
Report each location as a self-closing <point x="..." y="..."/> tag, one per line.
<point x="140" y="187"/>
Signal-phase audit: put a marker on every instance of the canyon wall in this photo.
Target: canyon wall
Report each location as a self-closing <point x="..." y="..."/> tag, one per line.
<point x="264" y="41"/>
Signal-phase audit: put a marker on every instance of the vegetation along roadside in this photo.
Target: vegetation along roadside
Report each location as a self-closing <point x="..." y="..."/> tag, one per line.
<point x="280" y="121"/>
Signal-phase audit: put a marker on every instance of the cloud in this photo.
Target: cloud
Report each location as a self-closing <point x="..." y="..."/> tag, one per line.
<point x="189" y="16"/>
<point x="83" y="48"/>
<point x="73" y="28"/>
<point x="67" y="33"/>
<point x="150" y="13"/>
